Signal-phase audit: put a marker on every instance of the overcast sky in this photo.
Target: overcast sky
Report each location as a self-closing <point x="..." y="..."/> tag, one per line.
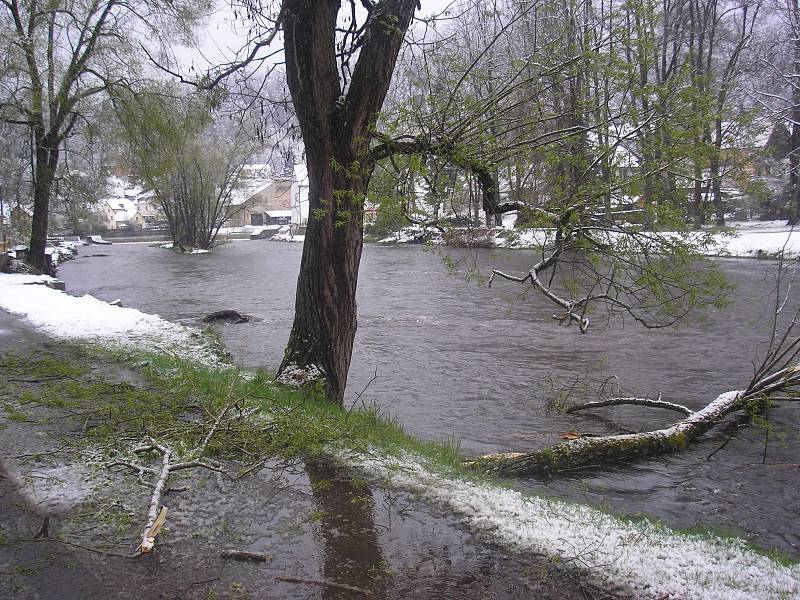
<point x="223" y="35"/>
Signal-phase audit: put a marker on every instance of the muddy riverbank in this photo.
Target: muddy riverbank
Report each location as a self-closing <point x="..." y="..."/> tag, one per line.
<point x="327" y="531"/>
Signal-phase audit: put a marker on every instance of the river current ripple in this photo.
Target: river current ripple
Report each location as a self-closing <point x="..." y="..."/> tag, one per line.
<point x="453" y="359"/>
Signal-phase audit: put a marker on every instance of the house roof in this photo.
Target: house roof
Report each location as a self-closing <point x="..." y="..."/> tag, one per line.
<point x="250" y="188"/>
<point x="124" y="209"/>
<point x="279" y="213"/>
<point x="256" y="170"/>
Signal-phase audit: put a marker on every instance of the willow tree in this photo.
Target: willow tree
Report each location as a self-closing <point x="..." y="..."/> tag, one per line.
<point x="337" y="105"/>
<point x="340" y="58"/>
<point x="187" y="156"/>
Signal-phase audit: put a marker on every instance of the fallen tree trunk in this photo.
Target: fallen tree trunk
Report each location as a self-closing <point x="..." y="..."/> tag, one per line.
<point x="606" y="450"/>
<point x="586" y="451"/>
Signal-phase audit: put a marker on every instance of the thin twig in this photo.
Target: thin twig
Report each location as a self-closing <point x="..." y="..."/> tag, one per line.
<point x="74" y="545"/>
<point x="324" y="583"/>
<point x="358" y="397"/>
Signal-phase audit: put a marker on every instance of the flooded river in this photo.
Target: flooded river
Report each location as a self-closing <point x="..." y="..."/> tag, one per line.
<point x="451" y="359"/>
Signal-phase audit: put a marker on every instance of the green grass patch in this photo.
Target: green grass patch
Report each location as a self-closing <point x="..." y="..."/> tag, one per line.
<point x="176" y="401"/>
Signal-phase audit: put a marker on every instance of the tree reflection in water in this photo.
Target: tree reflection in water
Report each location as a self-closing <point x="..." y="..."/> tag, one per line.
<point x="352" y="553"/>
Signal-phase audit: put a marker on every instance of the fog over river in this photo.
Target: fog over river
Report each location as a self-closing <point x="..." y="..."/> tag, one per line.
<point x="455" y="359"/>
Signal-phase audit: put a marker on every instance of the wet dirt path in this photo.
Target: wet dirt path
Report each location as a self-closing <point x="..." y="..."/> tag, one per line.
<point x="328" y="532"/>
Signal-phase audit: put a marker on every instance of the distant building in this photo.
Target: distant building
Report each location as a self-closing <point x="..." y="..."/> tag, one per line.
<point x="128" y="207"/>
<point x="300" y="196"/>
<point x="119" y="214"/>
<point x="259" y="202"/>
<point x="150" y="208"/>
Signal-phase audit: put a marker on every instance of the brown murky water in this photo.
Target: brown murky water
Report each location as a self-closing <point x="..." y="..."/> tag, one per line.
<point x="457" y="360"/>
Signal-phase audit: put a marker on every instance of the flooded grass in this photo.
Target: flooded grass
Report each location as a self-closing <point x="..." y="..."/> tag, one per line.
<point x="319" y="521"/>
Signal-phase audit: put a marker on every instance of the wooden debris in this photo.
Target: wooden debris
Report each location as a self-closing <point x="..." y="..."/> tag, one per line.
<point x="246" y="556"/>
<point x="324" y="583"/>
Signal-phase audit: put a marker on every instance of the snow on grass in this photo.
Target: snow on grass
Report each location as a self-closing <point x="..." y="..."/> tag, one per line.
<point x="287" y="237"/>
<point x="296" y="376"/>
<point x="413" y="233"/>
<point x="759" y="240"/>
<point x="752" y="239"/>
<point x="646" y="557"/>
<point x="88" y="319"/>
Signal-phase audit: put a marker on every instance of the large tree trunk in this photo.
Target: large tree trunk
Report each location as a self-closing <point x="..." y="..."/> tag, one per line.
<point x="47" y="153"/>
<point x="336" y="126"/>
<point x="325" y="306"/>
<point x="793" y="200"/>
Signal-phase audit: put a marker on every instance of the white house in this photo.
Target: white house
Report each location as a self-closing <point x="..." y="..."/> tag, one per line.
<point x="128" y="206"/>
<point x="259" y="202"/>
<point x="300" y="196"/>
<point x="119" y="213"/>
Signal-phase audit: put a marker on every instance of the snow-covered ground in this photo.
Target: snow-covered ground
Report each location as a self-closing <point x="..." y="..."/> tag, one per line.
<point x="287" y="237"/>
<point x="58" y="254"/>
<point x="88" y="319"/>
<point x="760" y="238"/>
<point x="650" y="559"/>
<point x="646" y="557"/>
<point x="748" y="239"/>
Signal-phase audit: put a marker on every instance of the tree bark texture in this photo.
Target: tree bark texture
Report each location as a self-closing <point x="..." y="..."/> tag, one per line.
<point x="336" y="121"/>
<point x="47" y="154"/>
<point x="793" y="200"/>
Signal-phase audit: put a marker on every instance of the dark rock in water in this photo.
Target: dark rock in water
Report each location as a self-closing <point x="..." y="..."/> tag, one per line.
<point x="229" y="316"/>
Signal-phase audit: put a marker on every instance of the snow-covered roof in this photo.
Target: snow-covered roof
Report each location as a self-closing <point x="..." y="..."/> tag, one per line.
<point x="120" y="187"/>
<point x="279" y="213"/>
<point x="754" y="135"/>
<point x="124" y="208"/>
<point x="257" y="170"/>
<point x="248" y="189"/>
